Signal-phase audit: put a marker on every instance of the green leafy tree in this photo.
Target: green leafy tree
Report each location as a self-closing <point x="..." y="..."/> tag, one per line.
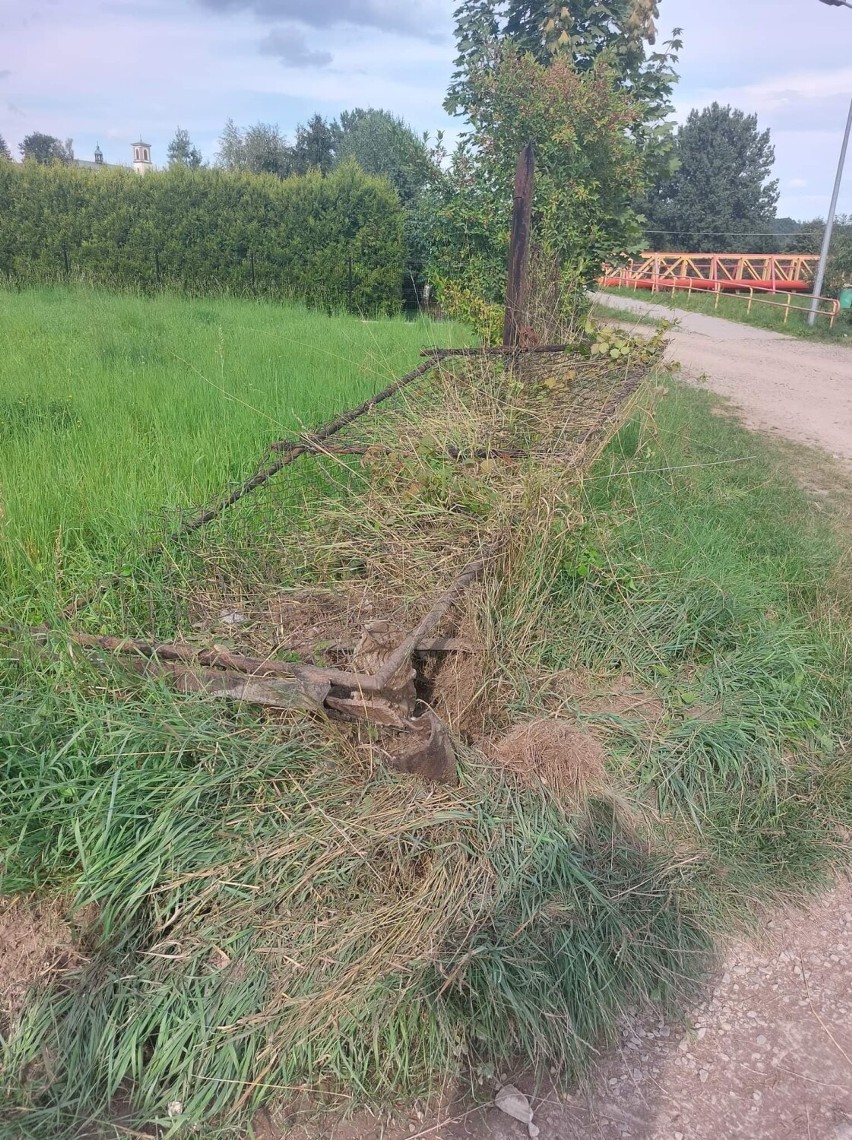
<point x="588" y="169"/>
<point x="383" y="144"/>
<point x="4" y="150"/>
<point x="583" y="31"/>
<point x="181" y="152"/>
<point x="722" y="193"/>
<point x="46" y="149"/>
<point x="231" y="152"/>
<point x="785" y="231"/>
<point x="809" y="240"/>
<point x="315" y="146"/>
<point x="259" y="149"/>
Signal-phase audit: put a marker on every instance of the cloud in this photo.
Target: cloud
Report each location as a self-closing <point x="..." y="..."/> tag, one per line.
<point x="797" y="183"/>
<point x="423" y="21"/>
<point x="787" y="92"/>
<point x="290" y="48"/>
<point x="5" y="73"/>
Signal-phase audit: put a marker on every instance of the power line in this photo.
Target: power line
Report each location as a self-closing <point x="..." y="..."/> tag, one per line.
<point x="739" y="233"/>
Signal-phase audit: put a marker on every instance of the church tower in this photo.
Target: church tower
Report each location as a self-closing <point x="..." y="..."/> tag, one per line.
<point x="142" y="157"/>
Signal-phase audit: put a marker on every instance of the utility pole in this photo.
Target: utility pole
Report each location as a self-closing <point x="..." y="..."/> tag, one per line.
<point x="832" y="210"/>
<point x="519" y="247"/>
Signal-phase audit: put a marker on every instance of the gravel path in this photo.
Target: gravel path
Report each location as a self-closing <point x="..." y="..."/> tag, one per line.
<point x="768" y="1055"/>
<point x="799" y="388"/>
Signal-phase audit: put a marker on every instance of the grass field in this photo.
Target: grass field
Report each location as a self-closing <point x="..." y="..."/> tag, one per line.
<point x="118" y="412"/>
<point x="610" y="313"/>
<point x="734" y="307"/>
<point x="264" y="907"/>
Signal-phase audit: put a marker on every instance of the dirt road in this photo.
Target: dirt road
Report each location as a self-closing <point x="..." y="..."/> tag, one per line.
<point x="768" y="1055"/>
<point x="799" y="388"/>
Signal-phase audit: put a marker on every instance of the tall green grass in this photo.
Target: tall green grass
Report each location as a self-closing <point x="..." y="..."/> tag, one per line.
<point x="734" y="307"/>
<point x="118" y="412"/>
<point x="271" y="917"/>
<point x="704" y="571"/>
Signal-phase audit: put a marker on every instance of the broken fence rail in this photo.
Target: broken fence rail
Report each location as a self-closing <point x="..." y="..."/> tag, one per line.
<point x="386" y="697"/>
<point x="291" y="450"/>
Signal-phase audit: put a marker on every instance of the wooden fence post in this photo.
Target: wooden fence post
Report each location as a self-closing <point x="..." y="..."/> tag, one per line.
<point x="519" y="249"/>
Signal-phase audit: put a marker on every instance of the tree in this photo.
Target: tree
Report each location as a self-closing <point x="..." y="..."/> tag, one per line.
<point x="785" y="231"/>
<point x="315" y="146"/>
<point x="46" y="149"/>
<point x="181" y="152"/>
<point x="588" y="168"/>
<point x="4" y="150"/>
<point x="383" y="144"/>
<point x="583" y="31"/>
<point x="721" y="197"/>
<point x="260" y="149"/>
<point x="808" y="239"/>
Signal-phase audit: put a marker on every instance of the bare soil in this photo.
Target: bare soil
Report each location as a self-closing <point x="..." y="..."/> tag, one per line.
<point x="798" y="388"/>
<point x="35" y="938"/>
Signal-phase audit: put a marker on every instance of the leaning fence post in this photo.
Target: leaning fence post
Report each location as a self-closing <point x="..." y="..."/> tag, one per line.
<point x="519" y="248"/>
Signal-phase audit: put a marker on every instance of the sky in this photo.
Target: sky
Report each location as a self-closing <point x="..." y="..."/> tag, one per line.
<point x="110" y="71"/>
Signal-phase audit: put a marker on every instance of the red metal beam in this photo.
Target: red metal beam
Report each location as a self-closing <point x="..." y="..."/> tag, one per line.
<point x="730" y="272"/>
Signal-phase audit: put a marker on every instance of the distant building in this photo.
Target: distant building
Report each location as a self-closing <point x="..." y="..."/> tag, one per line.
<point x="141" y="160"/>
<point x="142" y="157"/>
<point x="99" y="160"/>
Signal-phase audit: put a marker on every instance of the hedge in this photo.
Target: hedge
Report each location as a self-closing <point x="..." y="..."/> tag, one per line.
<point x="335" y="241"/>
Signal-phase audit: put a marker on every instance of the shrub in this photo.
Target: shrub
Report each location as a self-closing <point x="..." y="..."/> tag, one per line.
<point x="335" y="242"/>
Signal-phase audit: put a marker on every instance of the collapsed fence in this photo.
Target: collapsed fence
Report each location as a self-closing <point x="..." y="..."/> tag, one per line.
<point x="564" y="408"/>
<point x="349" y="914"/>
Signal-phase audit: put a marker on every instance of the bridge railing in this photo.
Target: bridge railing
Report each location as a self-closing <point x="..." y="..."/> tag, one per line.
<point x="828" y="307"/>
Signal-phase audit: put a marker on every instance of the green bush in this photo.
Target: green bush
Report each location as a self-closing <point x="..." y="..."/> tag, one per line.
<point x="334" y="242"/>
<point x="588" y="170"/>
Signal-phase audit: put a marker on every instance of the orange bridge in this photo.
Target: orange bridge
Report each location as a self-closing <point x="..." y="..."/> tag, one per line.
<point x="784" y="272"/>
